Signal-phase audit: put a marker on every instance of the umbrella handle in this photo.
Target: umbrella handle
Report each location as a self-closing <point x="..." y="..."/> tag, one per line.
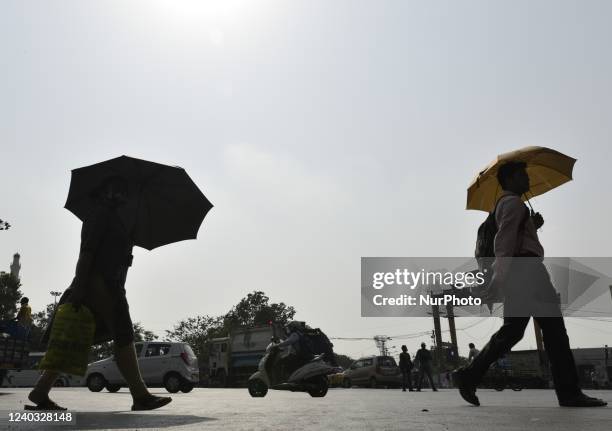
<point x="529" y="203"/>
<point x="532" y="211"/>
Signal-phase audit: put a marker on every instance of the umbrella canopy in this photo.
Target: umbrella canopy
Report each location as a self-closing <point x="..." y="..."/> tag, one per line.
<point x="164" y="204"/>
<point x="546" y="168"/>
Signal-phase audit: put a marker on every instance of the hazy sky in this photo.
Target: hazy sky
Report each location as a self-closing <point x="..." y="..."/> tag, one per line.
<point x="322" y="131"/>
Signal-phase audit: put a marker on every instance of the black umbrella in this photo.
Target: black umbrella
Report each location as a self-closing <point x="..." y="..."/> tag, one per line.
<point x="164" y="204"/>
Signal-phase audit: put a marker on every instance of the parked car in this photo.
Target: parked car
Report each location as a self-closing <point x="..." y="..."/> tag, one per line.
<point x="171" y="365"/>
<point x="28" y="373"/>
<point x="373" y="371"/>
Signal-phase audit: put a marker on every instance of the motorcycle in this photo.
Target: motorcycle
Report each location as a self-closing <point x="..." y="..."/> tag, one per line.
<point x="310" y="377"/>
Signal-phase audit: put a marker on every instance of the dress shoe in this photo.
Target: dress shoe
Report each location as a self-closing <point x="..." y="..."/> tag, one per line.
<point x="582" y="401"/>
<point x="150" y="402"/>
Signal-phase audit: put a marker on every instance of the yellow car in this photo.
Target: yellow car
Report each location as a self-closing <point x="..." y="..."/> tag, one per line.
<point x="336" y="380"/>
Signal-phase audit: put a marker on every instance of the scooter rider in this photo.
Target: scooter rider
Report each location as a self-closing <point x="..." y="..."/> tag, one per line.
<point x="295" y="355"/>
<point x="294" y="368"/>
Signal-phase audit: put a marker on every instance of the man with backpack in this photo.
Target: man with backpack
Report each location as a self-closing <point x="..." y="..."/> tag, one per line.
<point x="405" y="365"/>
<point x="519" y="273"/>
<point x="297" y="348"/>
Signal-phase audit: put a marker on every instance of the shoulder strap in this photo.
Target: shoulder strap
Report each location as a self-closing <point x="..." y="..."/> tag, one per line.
<point x="525" y="218"/>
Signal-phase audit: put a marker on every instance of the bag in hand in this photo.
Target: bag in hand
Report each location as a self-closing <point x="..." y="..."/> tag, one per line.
<point x="71" y="338"/>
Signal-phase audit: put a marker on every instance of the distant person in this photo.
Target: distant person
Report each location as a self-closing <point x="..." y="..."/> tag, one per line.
<point x="503" y="365"/>
<point x="503" y="362"/>
<point x="424" y="357"/>
<point x="594" y="383"/>
<point x="527" y="291"/>
<point x="406" y="365"/>
<point x="99" y="284"/>
<point x="24" y="316"/>
<point x="473" y="352"/>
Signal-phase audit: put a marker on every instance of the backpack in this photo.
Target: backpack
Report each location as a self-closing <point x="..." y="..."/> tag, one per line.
<point x="315" y="342"/>
<point x="485" y="239"/>
<point x="304" y="345"/>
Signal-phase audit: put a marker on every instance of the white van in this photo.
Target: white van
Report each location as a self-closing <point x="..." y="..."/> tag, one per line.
<point x="29" y="374"/>
<point x="173" y="365"/>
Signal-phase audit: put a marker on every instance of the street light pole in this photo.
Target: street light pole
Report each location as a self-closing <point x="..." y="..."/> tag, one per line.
<point x="55" y="295"/>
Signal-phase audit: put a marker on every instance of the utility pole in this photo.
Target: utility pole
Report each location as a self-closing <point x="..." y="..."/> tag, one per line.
<point x="435" y="311"/>
<point x="450" y="315"/>
<point x="381" y="343"/>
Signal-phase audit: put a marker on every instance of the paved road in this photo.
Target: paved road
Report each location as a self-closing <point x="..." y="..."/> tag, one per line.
<point x="341" y="409"/>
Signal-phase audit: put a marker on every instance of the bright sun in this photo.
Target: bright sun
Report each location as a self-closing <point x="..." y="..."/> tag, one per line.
<point x="208" y="11"/>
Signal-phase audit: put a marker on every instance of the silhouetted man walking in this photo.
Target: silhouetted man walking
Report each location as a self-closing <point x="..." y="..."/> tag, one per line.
<point x="424" y="358"/>
<point x="520" y="274"/>
<point x="406" y="365"/>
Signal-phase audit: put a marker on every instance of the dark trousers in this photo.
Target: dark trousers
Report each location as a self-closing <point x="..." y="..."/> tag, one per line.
<point x="530" y="293"/>
<point x="557" y="347"/>
<point x="422" y="371"/>
<point x="406" y="379"/>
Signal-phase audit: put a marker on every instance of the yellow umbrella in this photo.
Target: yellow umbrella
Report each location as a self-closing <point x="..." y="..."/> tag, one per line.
<point x="546" y="168"/>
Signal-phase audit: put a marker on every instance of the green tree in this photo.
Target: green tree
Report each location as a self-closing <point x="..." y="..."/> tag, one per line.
<point x="255" y="309"/>
<point x="197" y="332"/>
<point x="9" y="295"/>
<point x="142" y="334"/>
<point x="40" y="320"/>
<point x="101" y="351"/>
<point x="343" y="360"/>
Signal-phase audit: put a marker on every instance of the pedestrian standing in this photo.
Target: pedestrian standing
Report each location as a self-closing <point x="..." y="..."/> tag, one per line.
<point x="405" y="364"/>
<point x="24" y="316"/>
<point x="424" y="358"/>
<point x="473" y="352"/>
